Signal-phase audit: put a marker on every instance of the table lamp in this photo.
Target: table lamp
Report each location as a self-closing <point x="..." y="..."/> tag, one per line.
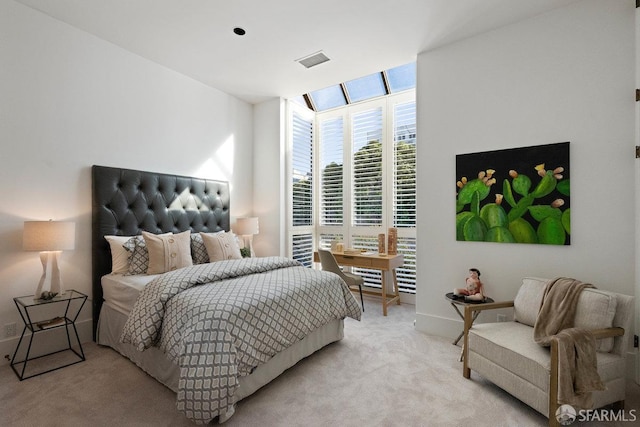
<point x="50" y="238"/>
<point x="247" y="227"/>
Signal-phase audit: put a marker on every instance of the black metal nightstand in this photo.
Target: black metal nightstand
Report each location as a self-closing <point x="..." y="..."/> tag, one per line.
<point x="37" y="317"/>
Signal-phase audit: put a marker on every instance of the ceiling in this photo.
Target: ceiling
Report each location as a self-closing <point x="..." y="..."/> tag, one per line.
<point x="196" y="38"/>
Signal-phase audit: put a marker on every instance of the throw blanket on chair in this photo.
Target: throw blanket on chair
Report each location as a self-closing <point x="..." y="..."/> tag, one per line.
<point x="577" y="368"/>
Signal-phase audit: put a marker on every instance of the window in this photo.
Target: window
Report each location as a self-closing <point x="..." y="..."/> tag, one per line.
<point x="402" y="78"/>
<point x="302" y="171"/>
<point x="376" y="181"/>
<point x="331" y="157"/>
<point x="353" y="173"/>
<point x="301" y="208"/>
<point x="391" y="81"/>
<point x="366" y="137"/>
<point x="404" y="157"/>
<point x="366" y="87"/>
<point x="404" y="189"/>
<point x="327" y="98"/>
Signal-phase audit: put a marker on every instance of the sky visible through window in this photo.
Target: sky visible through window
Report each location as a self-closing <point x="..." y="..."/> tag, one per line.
<point x="329" y="97"/>
<point x="366" y="87"/>
<point x="402" y="77"/>
<point x="397" y="80"/>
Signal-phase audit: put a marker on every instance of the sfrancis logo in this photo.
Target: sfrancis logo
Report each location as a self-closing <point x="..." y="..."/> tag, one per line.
<point x="567" y="414"/>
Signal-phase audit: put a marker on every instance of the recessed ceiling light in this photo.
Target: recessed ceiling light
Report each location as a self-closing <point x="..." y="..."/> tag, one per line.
<point x="239" y="31"/>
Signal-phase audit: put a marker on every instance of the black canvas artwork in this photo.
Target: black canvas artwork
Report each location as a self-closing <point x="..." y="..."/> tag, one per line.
<point x="517" y="195"/>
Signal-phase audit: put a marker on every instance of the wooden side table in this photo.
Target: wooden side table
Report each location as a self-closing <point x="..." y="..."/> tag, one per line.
<point x="461" y="302"/>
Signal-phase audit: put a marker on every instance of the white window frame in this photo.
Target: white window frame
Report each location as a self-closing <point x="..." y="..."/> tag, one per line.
<point x="316" y="230"/>
<point x="298" y="229"/>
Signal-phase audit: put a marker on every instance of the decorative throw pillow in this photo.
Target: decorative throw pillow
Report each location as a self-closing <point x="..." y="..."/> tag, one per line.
<point x="596" y="310"/>
<point x="138" y="255"/>
<point x="119" y="254"/>
<point x="527" y="302"/>
<point x="221" y="246"/>
<point x="198" y="250"/>
<point x="168" y="252"/>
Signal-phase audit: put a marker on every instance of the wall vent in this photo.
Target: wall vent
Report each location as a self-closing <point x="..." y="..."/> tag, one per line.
<point x="313" y="59"/>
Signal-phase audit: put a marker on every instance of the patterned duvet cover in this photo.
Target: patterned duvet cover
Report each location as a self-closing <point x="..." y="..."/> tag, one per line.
<point x="219" y="321"/>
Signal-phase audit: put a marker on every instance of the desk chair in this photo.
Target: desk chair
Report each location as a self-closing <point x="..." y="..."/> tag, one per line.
<point x="329" y="263"/>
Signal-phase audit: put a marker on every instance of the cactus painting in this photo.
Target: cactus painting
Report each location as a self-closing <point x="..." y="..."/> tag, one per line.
<point x="518" y="195"/>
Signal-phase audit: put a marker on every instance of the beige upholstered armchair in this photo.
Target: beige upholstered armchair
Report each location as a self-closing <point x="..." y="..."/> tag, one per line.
<point x="506" y="353"/>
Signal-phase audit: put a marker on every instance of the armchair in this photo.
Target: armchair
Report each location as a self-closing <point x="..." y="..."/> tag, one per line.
<point x="506" y="354"/>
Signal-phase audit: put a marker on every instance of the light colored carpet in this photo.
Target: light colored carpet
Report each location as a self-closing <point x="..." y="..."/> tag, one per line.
<point x="383" y="373"/>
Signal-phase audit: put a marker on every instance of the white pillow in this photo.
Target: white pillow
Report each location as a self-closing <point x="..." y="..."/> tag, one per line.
<point x="221" y="246"/>
<point x="168" y="252"/>
<point x="119" y="254"/>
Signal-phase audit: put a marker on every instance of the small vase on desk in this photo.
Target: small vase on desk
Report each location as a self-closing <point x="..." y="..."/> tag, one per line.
<point x="381" y="239"/>
<point x="393" y="241"/>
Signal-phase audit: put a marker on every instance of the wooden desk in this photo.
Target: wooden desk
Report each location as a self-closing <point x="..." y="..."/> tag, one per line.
<point x="387" y="264"/>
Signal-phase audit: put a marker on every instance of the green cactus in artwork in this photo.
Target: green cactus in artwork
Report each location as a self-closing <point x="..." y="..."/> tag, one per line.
<point x="493" y="223"/>
<point x="523" y="231"/>
<point x="475" y="190"/>
<point x="469" y="225"/>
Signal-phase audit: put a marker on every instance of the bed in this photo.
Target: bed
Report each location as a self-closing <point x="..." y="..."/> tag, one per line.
<point x="213" y="332"/>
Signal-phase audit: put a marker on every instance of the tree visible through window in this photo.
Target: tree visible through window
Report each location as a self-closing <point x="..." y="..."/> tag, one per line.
<point x="331" y="159"/>
<point x="404" y="180"/>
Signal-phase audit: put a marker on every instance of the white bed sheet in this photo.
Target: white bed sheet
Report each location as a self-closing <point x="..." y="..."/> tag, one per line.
<point x="121" y="292"/>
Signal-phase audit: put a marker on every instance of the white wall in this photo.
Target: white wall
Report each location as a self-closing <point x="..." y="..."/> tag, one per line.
<point x="69" y="100"/>
<point x="567" y="75"/>
<point x="269" y="189"/>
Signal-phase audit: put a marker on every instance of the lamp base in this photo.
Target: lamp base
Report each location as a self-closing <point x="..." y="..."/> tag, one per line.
<point x="248" y="243"/>
<point x="56" y="281"/>
<point x="44" y="259"/>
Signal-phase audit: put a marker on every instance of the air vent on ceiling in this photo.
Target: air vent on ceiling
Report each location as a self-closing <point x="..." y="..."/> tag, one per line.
<point x="313" y="59"/>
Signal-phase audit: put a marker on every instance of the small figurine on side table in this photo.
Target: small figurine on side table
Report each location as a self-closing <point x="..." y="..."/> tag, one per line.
<point x="473" y="291"/>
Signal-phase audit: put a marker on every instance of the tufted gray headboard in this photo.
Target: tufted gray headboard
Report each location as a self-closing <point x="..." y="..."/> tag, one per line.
<point x="126" y="202"/>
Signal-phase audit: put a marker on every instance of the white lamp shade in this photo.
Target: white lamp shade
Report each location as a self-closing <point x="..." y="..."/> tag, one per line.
<point x="49" y="236"/>
<point x="247" y="226"/>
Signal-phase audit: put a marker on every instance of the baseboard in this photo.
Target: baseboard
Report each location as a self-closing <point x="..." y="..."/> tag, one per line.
<point x="45" y="342"/>
<point x="438" y="326"/>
